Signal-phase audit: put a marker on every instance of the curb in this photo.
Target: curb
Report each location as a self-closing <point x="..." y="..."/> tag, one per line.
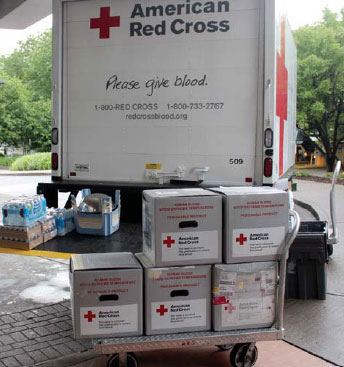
<point x="24" y="173"/>
<point x="307" y="207"/>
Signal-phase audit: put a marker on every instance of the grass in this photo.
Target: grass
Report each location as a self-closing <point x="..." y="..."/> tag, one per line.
<point x="299" y="173"/>
<point x="7" y="161"/>
<point x="340" y="176"/>
<point x="34" y="162"/>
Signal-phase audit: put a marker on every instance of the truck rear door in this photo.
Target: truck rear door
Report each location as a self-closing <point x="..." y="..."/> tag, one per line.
<point x="159" y="90"/>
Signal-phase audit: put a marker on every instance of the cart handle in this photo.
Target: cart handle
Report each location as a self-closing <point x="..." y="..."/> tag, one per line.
<point x="333" y="238"/>
<point x="290" y="237"/>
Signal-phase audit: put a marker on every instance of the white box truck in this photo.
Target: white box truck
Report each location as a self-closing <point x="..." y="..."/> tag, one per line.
<point x="153" y="91"/>
<point x="166" y="92"/>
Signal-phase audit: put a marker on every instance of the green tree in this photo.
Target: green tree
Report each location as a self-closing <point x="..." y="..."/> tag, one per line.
<point x="25" y="100"/>
<point x="23" y="122"/>
<point x="31" y="63"/>
<point x="321" y="82"/>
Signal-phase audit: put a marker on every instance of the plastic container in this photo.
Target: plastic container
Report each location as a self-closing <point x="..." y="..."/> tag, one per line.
<point x="307" y="263"/>
<point x="97" y="214"/>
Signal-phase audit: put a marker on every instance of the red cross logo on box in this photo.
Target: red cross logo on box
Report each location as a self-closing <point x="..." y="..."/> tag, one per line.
<point x="230" y="308"/>
<point x="89" y="316"/>
<point x="241" y="239"/>
<point x="105" y="22"/>
<point x="161" y="310"/>
<point x="169" y="242"/>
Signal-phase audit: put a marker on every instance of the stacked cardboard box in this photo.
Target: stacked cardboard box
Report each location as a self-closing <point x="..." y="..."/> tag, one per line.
<point x="182" y="237"/>
<point x="255" y="223"/>
<point x="182" y="227"/>
<point x="244" y="295"/>
<point x="106" y="295"/>
<point x="188" y="289"/>
<point x="176" y="299"/>
<point x="25" y="223"/>
<point x="244" y="287"/>
<point x="22" y="238"/>
<point x="27" y="238"/>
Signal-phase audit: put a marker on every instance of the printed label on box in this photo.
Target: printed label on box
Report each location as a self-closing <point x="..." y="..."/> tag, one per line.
<point x="268" y="282"/>
<point x="108" y="320"/>
<point x="247" y="311"/>
<point x="257" y="241"/>
<point x="227" y="286"/>
<point x="178" y="314"/>
<point x="189" y="245"/>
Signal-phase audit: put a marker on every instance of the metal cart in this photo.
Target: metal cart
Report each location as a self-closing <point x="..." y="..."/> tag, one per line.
<point x="242" y="343"/>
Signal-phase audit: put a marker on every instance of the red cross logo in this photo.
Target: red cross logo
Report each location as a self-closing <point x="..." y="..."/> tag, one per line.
<point x="161" y="310"/>
<point x="282" y="93"/>
<point x="169" y="241"/>
<point x="241" y="239"/>
<point x="230" y="308"/>
<point x="105" y="22"/>
<point x="89" y="316"/>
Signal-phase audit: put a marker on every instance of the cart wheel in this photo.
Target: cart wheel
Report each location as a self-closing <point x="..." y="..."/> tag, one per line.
<point x="243" y="355"/>
<point x="330" y="250"/>
<point x="225" y="347"/>
<point x="113" y="361"/>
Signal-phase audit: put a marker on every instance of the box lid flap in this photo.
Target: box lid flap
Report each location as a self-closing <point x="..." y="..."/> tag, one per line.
<point x="166" y="193"/>
<point x="228" y="191"/>
<point x="115" y="260"/>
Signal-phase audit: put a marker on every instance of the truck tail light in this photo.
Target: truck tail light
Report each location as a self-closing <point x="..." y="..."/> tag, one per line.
<point x="54" y="161"/>
<point x="268" y="138"/>
<point x="268" y="167"/>
<point x="54" y="136"/>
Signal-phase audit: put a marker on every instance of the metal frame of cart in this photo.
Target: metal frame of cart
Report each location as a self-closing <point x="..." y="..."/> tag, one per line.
<point x="242" y="342"/>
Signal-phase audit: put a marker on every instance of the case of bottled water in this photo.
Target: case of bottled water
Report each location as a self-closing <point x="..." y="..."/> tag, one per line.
<point x="24" y="210"/>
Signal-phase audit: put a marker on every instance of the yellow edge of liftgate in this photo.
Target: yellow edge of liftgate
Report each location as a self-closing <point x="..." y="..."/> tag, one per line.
<point x="50" y="254"/>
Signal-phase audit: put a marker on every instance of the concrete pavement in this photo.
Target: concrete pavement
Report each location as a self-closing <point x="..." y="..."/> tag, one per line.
<point x="313" y="325"/>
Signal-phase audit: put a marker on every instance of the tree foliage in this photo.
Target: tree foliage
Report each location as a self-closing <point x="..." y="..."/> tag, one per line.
<point x="321" y="82"/>
<point x="25" y="99"/>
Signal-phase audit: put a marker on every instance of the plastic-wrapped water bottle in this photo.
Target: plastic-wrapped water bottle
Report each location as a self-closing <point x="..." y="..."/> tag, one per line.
<point x="5" y="210"/>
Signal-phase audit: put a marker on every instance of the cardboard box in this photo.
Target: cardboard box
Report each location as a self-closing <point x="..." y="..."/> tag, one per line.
<point x="22" y="238"/>
<point x="47" y="236"/>
<point x="48" y="224"/>
<point x="177" y="299"/>
<point x="106" y="295"/>
<point x="182" y="227"/>
<point x="255" y="223"/>
<point x="48" y="228"/>
<point x="22" y="245"/>
<point x="244" y="296"/>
